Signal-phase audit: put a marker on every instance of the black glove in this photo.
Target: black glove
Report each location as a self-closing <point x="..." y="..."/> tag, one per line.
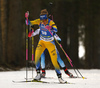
<point x="59" y="41"/>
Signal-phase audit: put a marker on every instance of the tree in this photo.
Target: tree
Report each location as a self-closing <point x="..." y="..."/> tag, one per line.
<point x="3" y="22"/>
<point x="15" y="34"/>
<point x="0" y="37"/>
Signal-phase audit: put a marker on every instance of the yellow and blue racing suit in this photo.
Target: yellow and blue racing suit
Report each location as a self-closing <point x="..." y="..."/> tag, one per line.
<point x="46" y="42"/>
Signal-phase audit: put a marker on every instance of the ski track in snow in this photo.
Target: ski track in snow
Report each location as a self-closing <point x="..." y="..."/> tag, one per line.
<point x="92" y="81"/>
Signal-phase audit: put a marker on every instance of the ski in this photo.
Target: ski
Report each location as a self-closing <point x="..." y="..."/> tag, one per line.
<point x="77" y="77"/>
<point x="74" y="77"/>
<point x="39" y="81"/>
<point x="43" y="78"/>
<point x="48" y="77"/>
<point x="30" y="81"/>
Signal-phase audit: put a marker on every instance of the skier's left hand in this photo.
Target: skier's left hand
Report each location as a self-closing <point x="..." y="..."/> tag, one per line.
<point x="59" y="41"/>
<point x="30" y="33"/>
<point x="48" y="27"/>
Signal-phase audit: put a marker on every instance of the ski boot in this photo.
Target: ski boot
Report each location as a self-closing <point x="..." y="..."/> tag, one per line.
<point x="43" y="73"/>
<point x="38" y="76"/>
<point x="60" y="79"/>
<point x="68" y="73"/>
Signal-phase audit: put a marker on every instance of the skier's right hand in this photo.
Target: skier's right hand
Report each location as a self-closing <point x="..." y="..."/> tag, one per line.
<point x="27" y="20"/>
<point x="27" y="14"/>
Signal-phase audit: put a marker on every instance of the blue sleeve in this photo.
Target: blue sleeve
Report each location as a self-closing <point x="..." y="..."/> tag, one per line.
<point x="55" y="29"/>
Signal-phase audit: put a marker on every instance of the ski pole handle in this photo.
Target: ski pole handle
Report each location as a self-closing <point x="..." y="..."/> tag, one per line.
<point x="27" y="14"/>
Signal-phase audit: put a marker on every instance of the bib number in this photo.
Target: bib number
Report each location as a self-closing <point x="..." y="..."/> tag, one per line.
<point x="44" y="33"/>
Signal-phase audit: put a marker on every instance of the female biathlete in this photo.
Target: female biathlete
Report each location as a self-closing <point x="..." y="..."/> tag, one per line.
<point x="46" y="42"/>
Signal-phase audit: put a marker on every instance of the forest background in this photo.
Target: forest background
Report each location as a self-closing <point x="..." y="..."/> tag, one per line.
<point x="78" y="23"/>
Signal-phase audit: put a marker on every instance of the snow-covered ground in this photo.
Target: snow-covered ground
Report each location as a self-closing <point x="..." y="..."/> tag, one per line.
<point x="92" y="81"/>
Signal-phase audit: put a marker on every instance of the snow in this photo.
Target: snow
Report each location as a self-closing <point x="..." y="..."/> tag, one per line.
<point x="92" y="81"/>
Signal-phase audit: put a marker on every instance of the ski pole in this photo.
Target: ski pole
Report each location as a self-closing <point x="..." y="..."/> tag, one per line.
<point x="26" y="16"/>
<point x="81" y="74"/>
<point x="70" y="61"/>
<point x="76" y="72"/>
<point x="32" y="52"/>
<point x="32" y="39"/>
